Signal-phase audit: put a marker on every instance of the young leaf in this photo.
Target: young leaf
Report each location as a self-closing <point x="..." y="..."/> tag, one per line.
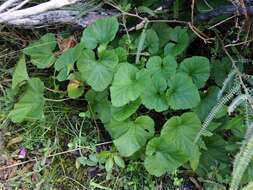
<point x="65" y="62"/>
<point x="182" y="93"/>
<point x="128" y="84"/>
<point x="31" y="104"/>
<point x="131" y="136"/>
<point x="100" y="32"/>
<point x="175" y="145"/>
<point x="75" y="89"/>
<point x="109" y="165"/>
<point x="20" y="73"/>
<point x="197" y="68"/>
<point x="154" y="97"/>
<point x="41" y="51"/>
<point x="119" y="161"/>
<point x="162" y="68"/>
<point x="124" y="112"/>
<point x="179" y="41"/>
<point x="98" y="73"/>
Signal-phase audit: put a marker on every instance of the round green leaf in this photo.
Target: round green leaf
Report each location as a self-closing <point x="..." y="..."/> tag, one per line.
<point x="130" y="136"/>
<point x="102" y="31"/>
<point x="128" y="84"/>
<point x="175" y="145"/>
<point x="41" y="51"/>
<point x="98" y="73"/>
<point x="182" y="93"/>
<point x="75" y="89"/>
<point x="152" y="41"/>
<point x="163" y="31"/>
<point x="197" y="68"/>
<point x="182" y="131"/>
<point x="179" y="41"/>
<point x="163" y="68"/>
<point x="154" y="97"/>
<point x="162" y="156"/>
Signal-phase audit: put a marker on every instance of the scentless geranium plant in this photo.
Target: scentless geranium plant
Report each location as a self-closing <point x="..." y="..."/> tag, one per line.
<point x="123" y="81"/>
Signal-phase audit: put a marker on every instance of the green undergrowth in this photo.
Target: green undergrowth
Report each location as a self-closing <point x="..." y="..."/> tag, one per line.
<point x="63" y="129"/>
<point x="149" y="109"/>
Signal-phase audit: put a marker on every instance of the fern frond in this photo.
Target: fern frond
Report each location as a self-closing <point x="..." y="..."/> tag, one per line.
<point x="216" y="109"/>
<point x="241" y="163"/>
<point x="226" y="82"/>
<point x="248" y="78"/>
<point x="236" y="102"/>
<point x="249" y="186"/>
<point x="247" y="113"/>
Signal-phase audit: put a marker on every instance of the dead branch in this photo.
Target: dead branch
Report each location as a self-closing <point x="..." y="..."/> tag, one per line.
<point x="8" y="4"/>
<point x="60" y="17"/>
<point x="12" y="12"/>
<point x="41" y="8"/>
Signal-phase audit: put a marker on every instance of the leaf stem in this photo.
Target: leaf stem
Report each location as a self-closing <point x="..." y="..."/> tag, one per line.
<point x="56" y="100"/>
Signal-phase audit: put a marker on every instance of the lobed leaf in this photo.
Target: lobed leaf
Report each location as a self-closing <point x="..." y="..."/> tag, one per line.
<point x="155" y="97"/>
<point x="197" y="68"/>
<point x="20" y="73"/>
<point x="41" y="51"/>
<point x="175" y="145"/>
<point x="128" y="84"/>
<point x="65" y="63"/>
<point x="98" y="73"/>
<point x="179" y="41"/>
<point x="101" y="32"/>
<point x="130" y="136"/>
<point x="31" y="104"/>
<point x="182" y="93"/>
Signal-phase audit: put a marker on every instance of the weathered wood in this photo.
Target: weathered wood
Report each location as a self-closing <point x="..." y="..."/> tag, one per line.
<point x="60" y="17"/>
<point x="35" y="10"/>
<point x="52" y="12"/>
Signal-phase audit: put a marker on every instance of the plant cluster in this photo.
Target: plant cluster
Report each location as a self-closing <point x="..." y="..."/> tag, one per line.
<point x="126" y="81"/>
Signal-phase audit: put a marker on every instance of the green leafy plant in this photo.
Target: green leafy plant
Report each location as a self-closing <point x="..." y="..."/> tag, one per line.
<point x="119" y="88"/>
<point x="131" y="85"/>
<point x="175" y="145"/>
